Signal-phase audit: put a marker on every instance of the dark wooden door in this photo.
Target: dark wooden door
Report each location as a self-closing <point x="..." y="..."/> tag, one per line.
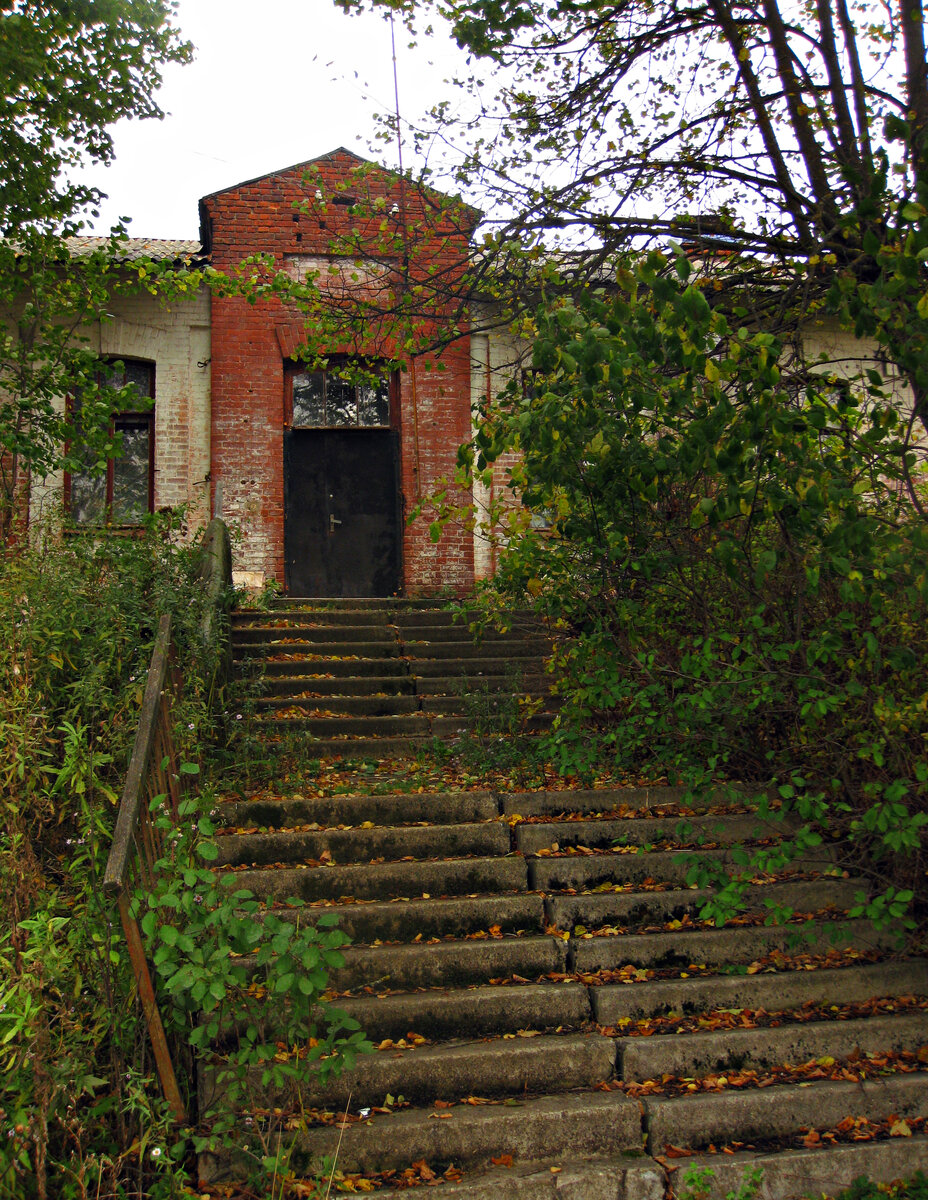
<point x="341" y="512"/>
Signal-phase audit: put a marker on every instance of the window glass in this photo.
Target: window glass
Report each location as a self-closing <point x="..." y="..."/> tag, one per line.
<point x="120" y="493"/>
<point x="88" y="499"/>
<point x="325" y="398"/>
<point x="131" y="473"/>
<point x="341" y="401"/>
<point x="309" y="398"/>
<point x="374" y="402"/>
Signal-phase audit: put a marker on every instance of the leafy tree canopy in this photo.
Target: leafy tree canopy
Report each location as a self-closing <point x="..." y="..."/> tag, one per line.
<point x="69" y="71"/>
<point x="765" y="123"/>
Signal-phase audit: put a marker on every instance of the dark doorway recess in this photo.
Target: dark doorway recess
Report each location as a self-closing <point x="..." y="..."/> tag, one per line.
<point x="342" y="512"/>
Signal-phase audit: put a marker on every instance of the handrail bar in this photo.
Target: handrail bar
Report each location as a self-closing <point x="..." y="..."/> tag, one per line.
<point x="129" y="816"/>
<point x="152" y="772"/>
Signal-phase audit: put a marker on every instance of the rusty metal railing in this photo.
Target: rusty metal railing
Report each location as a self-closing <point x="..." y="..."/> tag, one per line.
<point x="138" y="842"/>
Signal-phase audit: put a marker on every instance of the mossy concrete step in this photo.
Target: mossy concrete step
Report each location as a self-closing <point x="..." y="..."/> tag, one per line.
<point x="353" y="617"/>
<point x="390" y="604"/>
<point x="534" y="683"/>
<point x="823" y="1170"/>
<point x="466" y="649"/>
<point x="472" y="1012"/>
<point x="443" y="808"/>
<point x="382" y="881"/>
<point x="721" y="947"/>
<point x="311" y="667"/>
<point x="441" y="917"/>
<point x="400" y="684"/>
<point x="548" y="1064"/>
<point x="355" y="706"/>
<point x="462" y="619"/>
<point x="546" y="1128"/>
<point x="401" y="725"/>
<point x="648" y="800"/>
<point x="455" y="726"/>
<point x="597" y="834"/>
<point x="449" y="964"/>
<point x="642" y="908"/>
<point x="751" y="1114"/>
<point x="777" y="991"/>
<point x="390" y="842"/>
<point x="581" y="872"/>
<point x="477" y="667"/>
<point x="248" y="646"/>
<point x="347" y="749"/>
<point x="787" y="1175"/>
<point x="311" y="631"/>
<point x="729" y="1050"/>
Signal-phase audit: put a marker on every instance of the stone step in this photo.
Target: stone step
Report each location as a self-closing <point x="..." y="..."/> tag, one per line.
<point x="355" y="617"/>
<point x="391" y="604"/>
<point x="471" y="1012"/>
<point x="453" y="726"/>
<point x="681" y="949"/>
<point x="535" y="684"/>
<point x="355" y="706"/>
<point x="548" y="1064"/>
<point x="449" y="964"/>
<point x="478" y="666"/>
<point x="316" y="632"/>
<point x="645" y="800"/>
<point x="730" y="1050"/>
<point x="787" y="1174"/>
<point x="777" y="991"/>
<point x="381" y="881"/>
<point x="751" y="1114"/>
<point x="312" y="666"/>
<point x="441" y="917"/>
<point x="635" y="909"/>
<point x="400" y="725"/>
<point x="347" y="749"/>
<point x="446" y="808"/>
<point x="535" y="1128"/>
<point x="371" y="685"/>
<point x="596" y="834"/>
<point x="391" y="842"/>
<point x="465" y="649"/>
<point x="583" y="872"/>
<point x="250" y="646"/>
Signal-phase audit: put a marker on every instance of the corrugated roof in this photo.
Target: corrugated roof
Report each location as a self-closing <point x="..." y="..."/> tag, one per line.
<point x="132" y="249"/>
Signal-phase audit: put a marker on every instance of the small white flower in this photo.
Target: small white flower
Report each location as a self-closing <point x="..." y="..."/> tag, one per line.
<point x="156" y="1153"/>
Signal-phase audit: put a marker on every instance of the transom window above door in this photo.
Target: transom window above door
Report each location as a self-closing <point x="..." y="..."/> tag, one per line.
<point x="340" y="397"/>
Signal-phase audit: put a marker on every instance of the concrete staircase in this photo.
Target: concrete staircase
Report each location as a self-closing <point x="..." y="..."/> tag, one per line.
<point x="386" y="676"/>
<point x="553" y="1020"/>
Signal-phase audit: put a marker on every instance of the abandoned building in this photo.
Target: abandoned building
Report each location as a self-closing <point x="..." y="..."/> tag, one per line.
<point x="317" y="473"/>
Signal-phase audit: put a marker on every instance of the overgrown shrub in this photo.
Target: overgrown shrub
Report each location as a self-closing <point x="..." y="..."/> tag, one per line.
<point x="78" y="1117"/>
<point x="733" y="538"/>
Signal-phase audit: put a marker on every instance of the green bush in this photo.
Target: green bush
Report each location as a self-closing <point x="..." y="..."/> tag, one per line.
<point x="78" y="1115"/>
<point x="732" y="539"/>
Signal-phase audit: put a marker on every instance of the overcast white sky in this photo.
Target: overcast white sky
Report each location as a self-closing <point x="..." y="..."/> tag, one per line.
<point x="273" y="83"/>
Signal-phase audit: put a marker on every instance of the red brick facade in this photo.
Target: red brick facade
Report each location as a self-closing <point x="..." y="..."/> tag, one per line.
<point x="294" y="217"/>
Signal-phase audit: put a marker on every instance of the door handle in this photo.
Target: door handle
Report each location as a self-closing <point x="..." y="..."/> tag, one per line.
<point x="333" y="521"/>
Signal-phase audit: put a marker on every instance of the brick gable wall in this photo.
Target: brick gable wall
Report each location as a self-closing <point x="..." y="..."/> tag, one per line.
<point x="251" y="342"/>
